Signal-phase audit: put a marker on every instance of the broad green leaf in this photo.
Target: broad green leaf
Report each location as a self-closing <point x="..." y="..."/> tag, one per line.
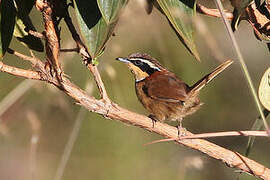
<point x="93" y="27"/>
<point x="7" y="18"/>
<point x="264" y="89"/>
<point x="110" y="9"/>
<point x="180" y="14"/>
<point x="239" y="8"/>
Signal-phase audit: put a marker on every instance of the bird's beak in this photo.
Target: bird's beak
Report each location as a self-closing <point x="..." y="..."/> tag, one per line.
<point x="124" y="60"/>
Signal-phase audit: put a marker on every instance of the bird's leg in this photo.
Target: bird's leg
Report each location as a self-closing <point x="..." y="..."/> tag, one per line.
<point x="154" y="119"/>
<point x="181" y="130"/>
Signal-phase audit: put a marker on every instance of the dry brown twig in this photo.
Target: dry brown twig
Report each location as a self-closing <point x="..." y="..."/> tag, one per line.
<point x="51" y="34"/>
<point x="36" y="34"/>
<point x="112" y="111"/>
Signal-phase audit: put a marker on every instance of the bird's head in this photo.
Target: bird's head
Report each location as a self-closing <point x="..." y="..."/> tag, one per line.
<point x="141" y="65"/>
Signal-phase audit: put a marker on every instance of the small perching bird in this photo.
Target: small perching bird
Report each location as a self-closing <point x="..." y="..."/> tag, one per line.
<point x="161" y="92"/>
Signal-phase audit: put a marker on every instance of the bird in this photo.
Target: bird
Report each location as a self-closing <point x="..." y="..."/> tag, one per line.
<point x="161" y="92"/>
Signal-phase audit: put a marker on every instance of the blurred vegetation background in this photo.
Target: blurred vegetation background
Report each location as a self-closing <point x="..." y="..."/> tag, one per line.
<point x="108" y="150"/>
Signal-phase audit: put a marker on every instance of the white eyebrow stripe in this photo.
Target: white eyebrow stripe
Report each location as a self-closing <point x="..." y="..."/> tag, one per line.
<point x="152" y="65"/>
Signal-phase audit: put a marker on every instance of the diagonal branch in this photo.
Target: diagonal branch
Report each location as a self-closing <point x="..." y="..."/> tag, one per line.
<point x="114" y="112"/>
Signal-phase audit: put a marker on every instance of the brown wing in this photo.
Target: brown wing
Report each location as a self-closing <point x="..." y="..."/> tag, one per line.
<point x="166" y="87"/>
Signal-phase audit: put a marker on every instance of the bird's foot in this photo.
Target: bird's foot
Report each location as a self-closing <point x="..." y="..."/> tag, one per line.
<point x="154" y="120"/>
<point x="181" y="131"/>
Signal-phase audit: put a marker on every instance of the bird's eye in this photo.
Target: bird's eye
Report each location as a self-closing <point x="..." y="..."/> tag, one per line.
<point x="138" y="63"/>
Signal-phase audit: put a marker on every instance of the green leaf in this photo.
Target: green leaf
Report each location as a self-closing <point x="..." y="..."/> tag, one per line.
<point x="239" y="8"/>
<point x="110" y="9"/>
<point x="180" y="13"/>
<point x="94" y="29"/>
<point x="7" y="18"/>
<point x="264" y="89"/>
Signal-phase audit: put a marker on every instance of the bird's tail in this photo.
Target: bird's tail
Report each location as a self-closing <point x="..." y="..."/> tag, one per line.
<point x="206" y="79"/>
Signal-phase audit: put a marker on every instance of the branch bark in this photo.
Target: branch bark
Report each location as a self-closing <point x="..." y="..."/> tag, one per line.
<point x="113" y="111"/>
<point x="51" y="34"/>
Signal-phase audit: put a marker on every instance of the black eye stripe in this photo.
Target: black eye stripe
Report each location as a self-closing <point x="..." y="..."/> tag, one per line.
<point x="138" y="63"/>
<point x="144" y="66"/>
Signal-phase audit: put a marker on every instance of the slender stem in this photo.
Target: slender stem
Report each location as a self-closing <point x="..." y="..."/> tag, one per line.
<point x="212" y="12"/>
<point x="242" y="62"/>
<point x="22" y="56"/>
<point x="19" y="72"/>
<point x="103" y="93"/>
<point x="36" y="34"/>
<point x="86" y="57"/>
<point x="70" y="50"/>
<point x="228" y="133"/>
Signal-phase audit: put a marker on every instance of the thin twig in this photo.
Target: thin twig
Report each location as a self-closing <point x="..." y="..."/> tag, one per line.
<point x="86" y="57"/>
<point x="19" y="72"/>
<point x="70" y="50"/>
<point x="93" y="69"/>
<point x="212" y="12"/>
<point x="243" y="64"/>
<point x="36" y="34"/>
<point x="32" y="59"/>
<point x="214" y="134"/>
<point x="36" y="63"/>
<point x="228" y="133"/>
